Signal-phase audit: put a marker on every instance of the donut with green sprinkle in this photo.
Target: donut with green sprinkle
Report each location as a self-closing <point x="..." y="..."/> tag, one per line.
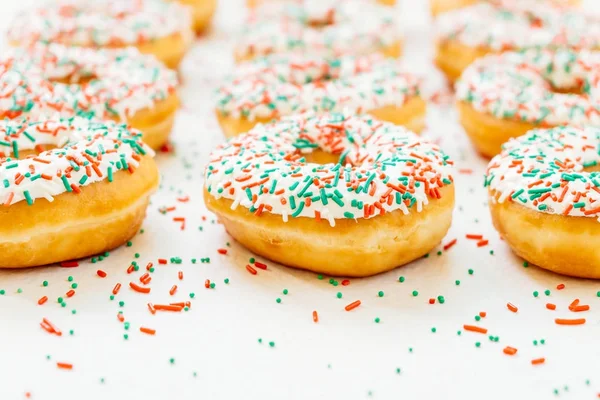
<point x="280" y="85"/>
<point x="387" y="201"/>
<point x="504" y="96"/>
<point x="160" y="27"/>
<point x="42" y="81"/>
<point x="544" y="191"/>
<point x="86" y="194"/>
<point x="325" y="28"/>
<point x="530" y="86"/>
<point x="518" y="25"/>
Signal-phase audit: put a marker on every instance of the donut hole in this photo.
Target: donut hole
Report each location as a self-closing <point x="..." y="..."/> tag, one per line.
<point x="324" y="21"/>
<point x="75" y="78"/>
<point x="321" y="157"/>
<point x="575" y="90"/>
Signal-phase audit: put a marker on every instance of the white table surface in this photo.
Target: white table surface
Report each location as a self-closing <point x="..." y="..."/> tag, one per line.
<point x="346" y="355"/>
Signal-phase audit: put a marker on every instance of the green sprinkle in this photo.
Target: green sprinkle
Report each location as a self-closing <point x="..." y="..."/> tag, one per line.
<point x="285" y="291"/>
<point x="121" y="303"/>
<point x="272" y="344"/>
<point x="471" y="271"/>
<point x="402" y="279"/>
<point x="457" y="282"/>
<point x="547" y="292"/>
<point x="339" y="295"/>
<point x="433" y="330"/>
<point x="415" y="293"/>
<point x="192" y="295"/>
<point x="377" y="320"/>
<point x="380" y="293"/>
<point x="535" y="294"/>
<point x="45" y="283"/>
<point x="278" y="300"/>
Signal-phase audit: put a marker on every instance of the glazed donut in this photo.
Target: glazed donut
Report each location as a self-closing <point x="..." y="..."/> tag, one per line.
<point x="544" y="198"/>
<point x="86" y="194"/>
<point x="441" y="6"/>
<point x="153" y="26"/>
<point x="121" y="85"/>
<point x="268" y="88"/>
<point x="470" y="33"/>
<point x="504" y="96"/>
<point x="202" y="13"/>
<point x="323" y="28"/>
<point x="383" y="198"/>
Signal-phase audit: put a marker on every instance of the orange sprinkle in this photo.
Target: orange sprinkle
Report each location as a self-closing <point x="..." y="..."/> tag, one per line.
<point x="560" y="286"/>
<point x="164" y="307"/>
<point x="450" y="244"/>
<point x="473" y="328"/>
<point x="580" y="308"/>
<point x="70" y="293"/>
<point x="512" y="307"/>
<point x="315" y="316"/>
<point x="120" y="317"/>
<point x="173" y="290"/>
<point x="62" y="365"/>
<point x="565" y="321"/>
<point x="139" y="288"/>
<point x="180" y="275"/>
<point x="551" y="306"/>
<point x="352" y="305"/>
<point x="222" y="251"/>
<point x="482" y="314"/>
<point x="147" y="330"/>
<point x="116" y="288"/>
<point x="151" y="308"/>
<point x="574" y="303"/>
<point x="538" y="361"/>
<point x="42" y="300"/>
<point x="207" y="283"/>
<point x="52" y="327"/>
<point x="482" y="243"/>
<point x="250" y="269"/>
<point x="511" y="351"/>
<point x="473" y="236"/>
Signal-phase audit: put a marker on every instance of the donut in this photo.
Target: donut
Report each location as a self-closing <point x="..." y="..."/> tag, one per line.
<point x="71" y="188"/>
<point x="153" y="26"/>
<point x="470" y="33"/>
<point x="504" y="96"/>
<point x="336" y="193"/>
<point x="327" y="29"/>
<point x="271" y="87"/>
<point x="202" y="13"/>
<point x="544" y="195"/>
<point x="121" y="85"/>
<point x="441" y="6"/>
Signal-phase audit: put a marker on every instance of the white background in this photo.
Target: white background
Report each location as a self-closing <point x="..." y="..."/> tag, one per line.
<point x="346" y="355"/>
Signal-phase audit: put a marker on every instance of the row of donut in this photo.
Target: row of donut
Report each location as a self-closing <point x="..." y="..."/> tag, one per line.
<point x="521" y="66"/>
<point x="84" y="83"/>
<point x="260" y="90"/>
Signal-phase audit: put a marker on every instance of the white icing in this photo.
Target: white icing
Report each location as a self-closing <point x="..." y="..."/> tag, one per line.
<point x="380" y="158"/>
